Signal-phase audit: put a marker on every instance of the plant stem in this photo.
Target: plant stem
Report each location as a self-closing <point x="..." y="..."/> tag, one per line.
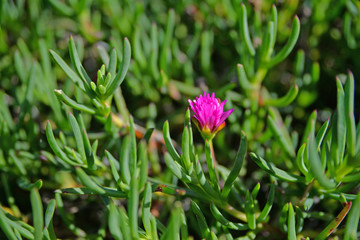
<point x="212" y="152"/>
<point x="334" y="223"/>
<point x="306" y="192"/>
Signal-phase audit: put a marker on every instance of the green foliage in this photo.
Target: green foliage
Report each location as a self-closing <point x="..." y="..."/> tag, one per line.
<point x="86" y="86"/>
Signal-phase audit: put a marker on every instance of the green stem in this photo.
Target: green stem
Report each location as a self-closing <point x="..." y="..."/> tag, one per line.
<point x="260" y="75"/>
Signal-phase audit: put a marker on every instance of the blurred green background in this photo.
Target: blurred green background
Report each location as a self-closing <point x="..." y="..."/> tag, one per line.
<point x="179" y="50"/>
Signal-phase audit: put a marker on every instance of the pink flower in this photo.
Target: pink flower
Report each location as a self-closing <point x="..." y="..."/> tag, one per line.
<point x="209" y="115"/>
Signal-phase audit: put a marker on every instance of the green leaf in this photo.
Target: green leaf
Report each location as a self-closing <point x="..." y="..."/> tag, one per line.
<point x="352" y="222"/>
<point x="268" y="42"/>
<point x="19" y="66"/>
<point x="334" y="223"/>
<point x="138" y="49"/>
<point x="291" y="223"/>
<point x="112" y="64"/>
<point x="172" y="230"/>
<point x="299" y="63"/>
<point x="124" y="160"/>
<point x="349" y="114"/>
<point x="202" y="180"/>
<point x="114" y="170"/>
<point x="204" y="229"/>
<point x="133" y="205"/>
<point x="255" y="190"/>
<point x="185" y="143"/>
<point x="244" y="30"/>
<point x="167" y="40"/>
<point x="102" y="89"/>
<point x="220" y="218"/>
<point x="285" y="51"/>
<point x="285" y="100"/>
<point x="205" y="50"/>
<point x="315" y="166"/>
<point x="351" y="178"/>
<point x="49" y="213"/>
<point x="168" y="142"/>
<point x="299" y="219"/>
<point x="213" y="236"/>
<point x="78" y="137"/>
<point x="114" y="222"/>
<point x="19" y="227"/>
<point x="280" y="132"/>
<point x="176" y="168"/>
<point x="321" y="133"/>
<point x="104" y="57"/>
<point x="19" y="165"/>
<point x="123" y="68"/>
<point x="148" y="134"/>
<point x="124" y="226"/>
<point x="243" y="80"/>
<point x="272" y="170"/>
<point x="37" y="210"/>
<point x="68" y="101"/>
<point x="266" y="210"/>
<point x="250" y="210"/>
<point x="68" y="71"/>
<point x="90" y="158"/>
<point x="187" y="123"/>
<point x="25" y="184"/>
<point x="154" y="234"/>
<point x="5" y="112"/>
<point x="75" y="60"/>
<point x="235" y="170"/>
<point x="338" y="127"/>
<point x="133" y="151"/>
<point x="9" y="196"/>
<point x="143" y="162"/>
<point x="88" y="182"/>
<point x="62" y="7"/>
<point x="274" y="19"/>
<point x="110" y="192"/>
<point x="154" y="52"/>
<point x="145" y="210"/>
<point x="6" y="228"/>
<point x="183" y="225"/>
<point x="350" y="39"/>
<point x="310" y="127"/>
<point x="301" y="161"/>
<point x="283" y="217"/>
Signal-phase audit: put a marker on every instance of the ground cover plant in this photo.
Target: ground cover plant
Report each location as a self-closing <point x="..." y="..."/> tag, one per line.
<point x="179" y="119"/>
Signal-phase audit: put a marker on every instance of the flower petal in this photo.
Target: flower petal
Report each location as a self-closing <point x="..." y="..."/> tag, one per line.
<point x="224" y="117"/>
